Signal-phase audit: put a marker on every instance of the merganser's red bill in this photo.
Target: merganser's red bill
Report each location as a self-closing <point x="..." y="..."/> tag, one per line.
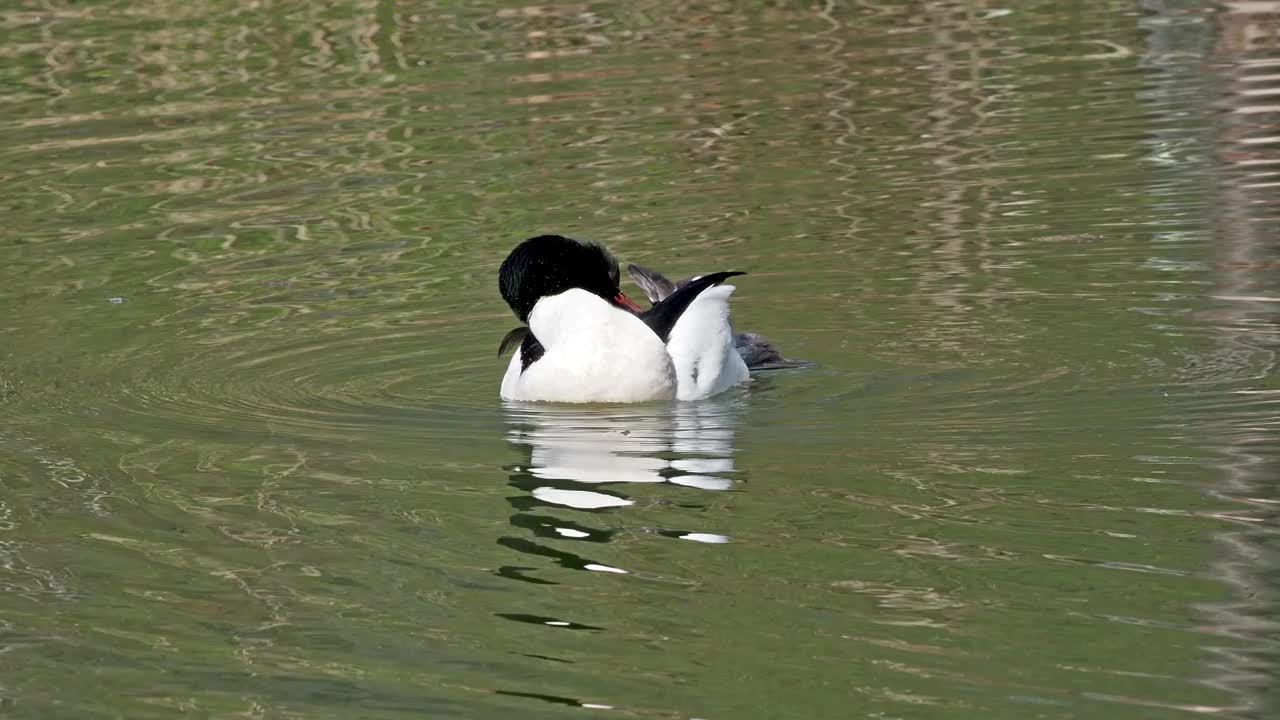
<point x="622" y="300"/>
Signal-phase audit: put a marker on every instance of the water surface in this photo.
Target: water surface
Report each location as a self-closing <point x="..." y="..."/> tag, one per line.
<point x="252" y="459"/>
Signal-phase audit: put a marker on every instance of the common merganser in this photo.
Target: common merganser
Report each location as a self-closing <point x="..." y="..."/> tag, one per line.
<point x="584" y="340"/>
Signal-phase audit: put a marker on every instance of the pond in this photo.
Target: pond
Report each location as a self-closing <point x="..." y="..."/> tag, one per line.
<point x="253" y="462"/>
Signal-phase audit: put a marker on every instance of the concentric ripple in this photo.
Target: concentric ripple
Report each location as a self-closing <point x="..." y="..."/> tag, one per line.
<point x="328" y="386"/>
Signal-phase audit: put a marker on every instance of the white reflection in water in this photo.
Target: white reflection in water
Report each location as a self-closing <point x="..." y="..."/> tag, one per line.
<point x="583" y="458"/>
<point x="688" y="444"/>
<point x="710" y="538"/>
<point x="705" y="482"/>
<point x="580" y="499"/>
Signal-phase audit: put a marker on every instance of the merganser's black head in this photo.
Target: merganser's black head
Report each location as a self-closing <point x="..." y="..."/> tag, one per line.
<point x="550" y="264"/>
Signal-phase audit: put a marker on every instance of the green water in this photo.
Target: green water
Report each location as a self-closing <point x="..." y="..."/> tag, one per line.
<point x="252" y="459"/>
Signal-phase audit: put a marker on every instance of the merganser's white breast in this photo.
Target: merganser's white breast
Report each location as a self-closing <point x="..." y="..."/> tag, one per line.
<point x="592" y="352"/>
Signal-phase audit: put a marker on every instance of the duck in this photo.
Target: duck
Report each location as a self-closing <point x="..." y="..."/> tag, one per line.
<point x="582" y="340"/>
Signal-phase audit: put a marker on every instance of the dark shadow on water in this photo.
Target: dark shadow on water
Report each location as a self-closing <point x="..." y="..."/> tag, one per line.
<point x="548" y="621"/>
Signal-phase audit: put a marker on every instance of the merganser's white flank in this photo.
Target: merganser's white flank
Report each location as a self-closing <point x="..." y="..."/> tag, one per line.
<point x="587" y="342"/>
<point x="592" y="352"/>
<point x="701" y="347"/>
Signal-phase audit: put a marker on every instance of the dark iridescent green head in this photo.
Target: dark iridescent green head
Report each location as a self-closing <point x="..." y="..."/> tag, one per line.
<point x="550" y="264"/>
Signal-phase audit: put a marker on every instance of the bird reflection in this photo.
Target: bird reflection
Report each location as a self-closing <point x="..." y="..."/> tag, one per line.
<point x="581" y="460"/>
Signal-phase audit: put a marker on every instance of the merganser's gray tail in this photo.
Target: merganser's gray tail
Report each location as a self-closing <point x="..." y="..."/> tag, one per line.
<point x="760" y="354"/>
<point x="756" y="351"/>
